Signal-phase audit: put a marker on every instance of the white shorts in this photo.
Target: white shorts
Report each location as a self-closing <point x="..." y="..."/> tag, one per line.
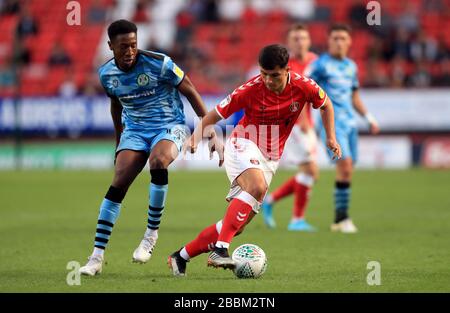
<point x="240" y="155"/>
<point x="300" y="147"/>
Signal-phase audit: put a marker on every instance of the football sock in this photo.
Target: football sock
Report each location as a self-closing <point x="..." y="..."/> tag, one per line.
<point x="109" y="212"/>
<point x="237" y="214"/>
<point x="302" y="188"/>
<point x="342" y="194"/>
<point x="284" y="190"/>
<point x="157" y="193"/>
<point x="203" y="243"/>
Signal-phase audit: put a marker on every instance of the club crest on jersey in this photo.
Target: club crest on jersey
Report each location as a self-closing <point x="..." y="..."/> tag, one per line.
<point x="143" y="79"/>
<point x="115" y="83"/>
<point x="254" y="161"/>
<point x="321" y="93"/>
<point x="294" y="106"/>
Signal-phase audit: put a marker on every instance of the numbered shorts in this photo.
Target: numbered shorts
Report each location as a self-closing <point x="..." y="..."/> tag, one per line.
<point x="347" y="138"/>
<point x="145" y="140"/>
<point x="301" y="147"/>
<point x="240" y="155"/>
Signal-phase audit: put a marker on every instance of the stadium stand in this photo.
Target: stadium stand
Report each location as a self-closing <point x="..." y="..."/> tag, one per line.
<point x="408" y="50"/>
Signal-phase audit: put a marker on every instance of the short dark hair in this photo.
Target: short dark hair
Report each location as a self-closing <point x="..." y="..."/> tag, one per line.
<point x="120" y="27"/>
<point x="298" y="26"/>
<point x="272" y="56"/>
<point x="340" y="26"/>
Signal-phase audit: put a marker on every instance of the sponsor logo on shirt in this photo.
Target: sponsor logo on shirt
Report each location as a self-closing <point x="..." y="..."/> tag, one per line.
<point x="146" y="93"/>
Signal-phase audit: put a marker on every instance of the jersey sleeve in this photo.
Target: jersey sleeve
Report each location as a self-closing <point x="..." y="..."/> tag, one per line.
<point x="355" y="81"/>
<point x="231" y="104"/>
<point x="171" y="73"/>
<point x="103" y="82"/>
<point x="314" y="70"/>
<point x="315" y="95"/>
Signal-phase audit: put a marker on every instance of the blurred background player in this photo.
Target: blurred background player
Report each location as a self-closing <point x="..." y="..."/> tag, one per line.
<point x="141" y="85"/>
<point x="337" y="75"/>
<point x="272" y="102"/>
<point x="301" y="146"/>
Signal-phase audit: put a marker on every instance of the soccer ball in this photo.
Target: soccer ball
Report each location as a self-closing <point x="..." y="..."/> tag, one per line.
<point x="251" y="261"/>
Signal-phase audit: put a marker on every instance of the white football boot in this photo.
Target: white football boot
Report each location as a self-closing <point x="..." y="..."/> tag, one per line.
<point x="144" y="251"/>
<point x="345" y="226"/>
<point x="93" y="266"/>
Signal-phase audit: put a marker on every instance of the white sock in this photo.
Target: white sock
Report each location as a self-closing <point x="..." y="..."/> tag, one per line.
<point x="98" y="252"/>
<point x="296" y="219"/>
<point x="222" y="244"/>
<point x="151" y="233"/>
<point x="184" y="254"/>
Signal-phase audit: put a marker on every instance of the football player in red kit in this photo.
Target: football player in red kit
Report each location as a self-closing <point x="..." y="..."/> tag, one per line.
<point x="272" y="102"/>
<point x="301" y="147"/>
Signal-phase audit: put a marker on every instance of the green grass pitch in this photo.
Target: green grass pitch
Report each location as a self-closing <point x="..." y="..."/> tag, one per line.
<point x="48" y="219"/>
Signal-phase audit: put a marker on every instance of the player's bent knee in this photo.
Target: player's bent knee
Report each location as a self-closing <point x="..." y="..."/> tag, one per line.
<point x="310" y="171"/>
<point x="345" y="173"/>
<point x="122" y="178"/>
<point x="315" y="175"/>
<point x="159" y="162"/>
<point x="258" y="190"/>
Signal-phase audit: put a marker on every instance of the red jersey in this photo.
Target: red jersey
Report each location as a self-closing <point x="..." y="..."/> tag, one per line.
<point x="300" y="67"/>
<point x="268" y="118"/>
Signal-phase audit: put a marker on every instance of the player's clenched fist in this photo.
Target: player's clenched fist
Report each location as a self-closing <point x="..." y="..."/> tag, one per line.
<point x="335" y="148"/>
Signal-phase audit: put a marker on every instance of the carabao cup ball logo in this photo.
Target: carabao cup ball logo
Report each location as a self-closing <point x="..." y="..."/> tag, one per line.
<point x="142" y="80"/>
<point x="251" y="261"/>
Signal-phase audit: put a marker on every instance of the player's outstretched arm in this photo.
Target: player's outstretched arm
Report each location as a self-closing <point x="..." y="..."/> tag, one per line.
<point x="362" y="110"/>
<point x="205" y="129"/>
<point x="188" y="90"/>
<point x="327" y="114"/>
<point x="116" y="114"/>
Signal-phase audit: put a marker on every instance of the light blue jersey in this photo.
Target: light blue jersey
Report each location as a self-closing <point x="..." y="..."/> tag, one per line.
<point x="152" y="107"/>
<point x="338" y="77"/>
<point x="147" y="91"/>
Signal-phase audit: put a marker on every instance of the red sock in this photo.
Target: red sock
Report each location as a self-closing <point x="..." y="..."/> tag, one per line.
<point x="284" y="190"/>
<point x="302" y="189"/>
<point x="204" y="242"/>
<point x="237" y="214"/>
